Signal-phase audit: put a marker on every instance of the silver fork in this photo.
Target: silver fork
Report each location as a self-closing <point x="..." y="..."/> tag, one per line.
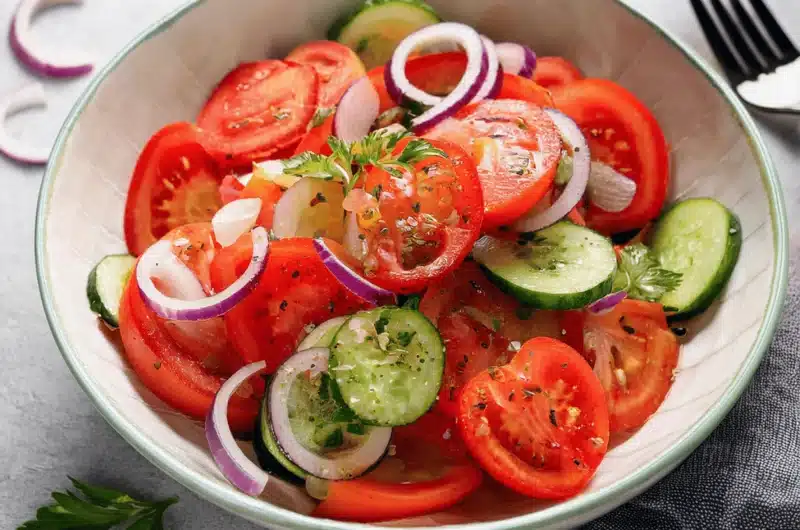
<point x="761" y="63"/>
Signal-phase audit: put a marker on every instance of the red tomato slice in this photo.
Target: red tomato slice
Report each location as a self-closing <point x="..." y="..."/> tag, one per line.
<point x="258" y="109"/>
<point x="539" y="425"/>
<point x="230" y="189"/>
<point x="552" y="72"/>
<point x="478" y="323"/>
<point x="522" y="89"/>
<point x="336" y="65"/>
<point x="634" y="354"/>
<point x="425" y="222"/>
<point x="174" y="183"/>
<point x="433" y="430"/>
<point x="257" y="188"/>
<point x="316" y="139"/>
<point x="624" y="134"/>
<point x="296" y="291"/>
<point x="516" y="148"/>
<point x="176" y="377"/>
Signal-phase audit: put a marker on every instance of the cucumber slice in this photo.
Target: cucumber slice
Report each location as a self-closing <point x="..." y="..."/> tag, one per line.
<point x="105" y="285"/>
<point x="269" y="454"/>
<point x="563" y="266"/>
<point x="375" y="29"/>
<point x="388" y="364"/>
<point x="701" y="239"/>
<point x="322" y="335"/>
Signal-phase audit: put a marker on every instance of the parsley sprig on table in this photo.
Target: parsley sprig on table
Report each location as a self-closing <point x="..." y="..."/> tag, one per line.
<point x="641" y="275"/>
<point x="349" y="161"/>
<point x="98" y="509"/>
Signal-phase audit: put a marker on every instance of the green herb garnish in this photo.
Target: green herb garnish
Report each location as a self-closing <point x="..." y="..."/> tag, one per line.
<point x="641" y="275"/>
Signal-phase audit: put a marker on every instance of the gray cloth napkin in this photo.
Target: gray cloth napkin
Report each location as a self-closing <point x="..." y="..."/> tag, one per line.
<point x="747" y="474"/>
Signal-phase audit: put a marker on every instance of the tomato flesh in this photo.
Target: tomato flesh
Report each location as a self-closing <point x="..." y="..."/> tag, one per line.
<point x="522" y="89"/>
<point x="539" y="424"/>
<point x="336" y="65"/>
<point x="552" y="72"/>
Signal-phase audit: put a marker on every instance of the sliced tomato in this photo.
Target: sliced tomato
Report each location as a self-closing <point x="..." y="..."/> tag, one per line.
<point x="316" y="139"/>
<point x="296" y="291"/>
<point x="258" y="109"/>
<point x="425" y="221"/>
<point x="175" y="182"/>
<point x="634" y="354"/>
<point x="516" y="147"/>
<point x="522" y="89"/>
<point x="336" y="65"/>
<point x="376" y="78"/>
<point x="554" y="72"/>
<point x="480" y="326"/>
<point x="230" y="189"/>
<point x="426" y="473"/>
<point x="269" y="193"/>
<point x="539" y="424"/>
<point x="624" y="134"/>
<point x="175" y="376"/>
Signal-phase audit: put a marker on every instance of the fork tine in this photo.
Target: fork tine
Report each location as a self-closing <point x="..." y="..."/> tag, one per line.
<point x="761" y="45"/>
<point x="775" y="31"/>
<point x="729" y="63"/>
<point x="751" y="62"/>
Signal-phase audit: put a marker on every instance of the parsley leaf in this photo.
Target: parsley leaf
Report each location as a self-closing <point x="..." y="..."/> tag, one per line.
<point x="641" y="275"/>
<point x="311" y="164"/>
<point x="100" y="508"/>
<point x="412" y="302"/>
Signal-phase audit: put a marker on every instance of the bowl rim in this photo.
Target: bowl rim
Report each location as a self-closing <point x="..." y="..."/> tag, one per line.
<point x="580" y="508"/>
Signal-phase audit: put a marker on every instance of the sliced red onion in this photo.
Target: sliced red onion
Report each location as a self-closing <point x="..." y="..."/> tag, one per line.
<point x="231" y="460"/>
<point x="159" y="261"/>
<point x="28" y="97"/>
<point x="400" y="88"/>
<point x="493" y="73"/>
<point x="19" y="37"/>
<point x="234" y="219"/>
<point x="516" y="59"/>
<point x="338" y="465"/>
<point x="357" y="110"/>
<point x="608" y="189"/>
<point x="351" y="280"/>
<point x="498" y="84"/>
<point x="607" y="303"/>
<point x="575" y="188"/>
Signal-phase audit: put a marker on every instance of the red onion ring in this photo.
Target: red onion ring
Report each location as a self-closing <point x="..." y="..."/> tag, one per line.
<point x="494" y="76"/>
<point x="400" y="88"/>
<point x="575" y="188"/>
<point x="357" y="111"/>
<point x="159" y="261"/>
<point x="27" y="97"/>
<point x="351" y="280"/>
<point x="607" y="303"/>
<point x="231" y="460"/>
<point x="20" y="40"/>
<point x="516" y="59"/>
<point x="608" y="189"/>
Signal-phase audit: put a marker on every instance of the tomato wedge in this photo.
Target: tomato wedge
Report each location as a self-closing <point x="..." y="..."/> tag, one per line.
<point x="539" y="425"/>
<point x="516" y="147"/>
<point x="478" y="324"/>
<point x="316" y="139"/>
<point x="552" y="72"/>
<point x="425" y="221"/>
<point x="175" y="182"/>
<point x="522" y="89"/>
<point x="296" y="291"/>
<point x="336" y="65"/>
<point x="258" y="109"/>
<point x="624" y="134"/>
<point x="634" y="354"/>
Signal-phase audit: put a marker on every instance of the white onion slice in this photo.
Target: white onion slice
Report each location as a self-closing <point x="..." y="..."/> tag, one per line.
<point x="343" y="464"/>
<point x="351" y="280"/>
<point x="28" y="97"/>
<point x="234" y="219"/>
<point x="231" y="460"/>
<point x="608" y="189"/>
<point x="400" y="87"/>
<point x="516" y="59"/>
<point x="573" y="191"/>
<point x="491" y="85"/>
<point x="357" y="111"/>
<point x="607" y="303"/>
<point x="19" y="37"/>
<point x="159" y="261"/>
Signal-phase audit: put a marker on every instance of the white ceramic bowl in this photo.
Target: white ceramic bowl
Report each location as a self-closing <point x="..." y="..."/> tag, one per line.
<point x="166" y="74"/>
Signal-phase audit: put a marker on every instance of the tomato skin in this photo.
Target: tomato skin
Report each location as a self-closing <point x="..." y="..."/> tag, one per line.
<point x="296" y="290"/>
<point x="259" y="109"/>
<point x="552" y="72"/>
<point x="269" y="193"/>
<point x="230" y="189"/>
<point x="623" y="133"/>
<point x="178" y="379"/>
<point x="522" y="89"/>
<point x="336" y="65"/>
<point x="175" y="182"/>
<point x="316" y="139"/>
<point x="504" y="420"/>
